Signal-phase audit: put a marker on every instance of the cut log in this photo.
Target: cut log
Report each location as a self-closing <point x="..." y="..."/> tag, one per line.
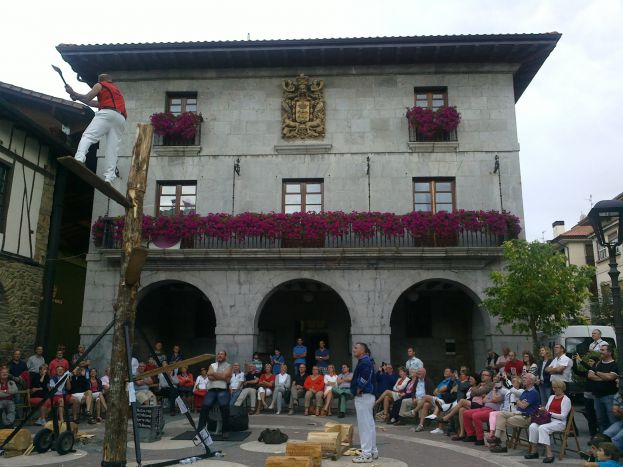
<point x="306" y="449"/>
<point x="288" y="461"/>
<point x="330" y="442"/>
<point x="345" y="428"/>
<point x="20" y="442"/>
<point x="173" y="366"/>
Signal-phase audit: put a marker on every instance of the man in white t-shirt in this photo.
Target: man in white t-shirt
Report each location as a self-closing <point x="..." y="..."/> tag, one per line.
<point x="413" y="362"/>
<point x="595" y="346"/>
<point x="560" y="368"/>
<point x="235" y="383"/>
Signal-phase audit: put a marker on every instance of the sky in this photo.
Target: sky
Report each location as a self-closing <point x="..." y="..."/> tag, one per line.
<point x="571" y="144"/>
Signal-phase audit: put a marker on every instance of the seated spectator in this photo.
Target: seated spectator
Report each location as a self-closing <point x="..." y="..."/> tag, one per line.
<point x="61" y="394"/>
<point x="394" y="411"/>
<point x="607" y="456"/>
<point x="389" y="396"/>
<point x="442" y="393"/>
<point x="159" y="351"/>
<point x="266" y="384"/>
<point x="81" y="394"/>
<point x="200" y="389"/>
<point x="283" y="382"/>
<point x="235" y="383"/>
<point x="298" y="386"/>
<point x="186" y="383"/>
<point x="257" y="363"/>
<point x="322" y="357"/>
<point x="35" y="361"/>
<point x="509" y="404"/>
<point x="342" y="389"/>
<point x="615" y="431"/>
<point x="492" y="358"/>
<point x="330" y="381"/>
<point x="473" y="419"/>
<point x="85" y="363"/>
<point x="97" y="391"/>
<point x="249" y="389"/>
<point x="175" y="356"/>
<point x="18" y="373"/>
<point x="462" y="383"/>
<point x="513" y="366"/>
<point x="529" y="363"/>
<point x="166" y="389"/>
<point x="410" y="405"/>
<point x="473" y="400"/>
<point x="59" y="360"/>
<point x="526" y="406"/>
<point x="558" y="406"/>
<point x="141" y="387"/>
<point x="502" y="359"/>
<point x="106" y="381"/>
<point x="276" y="360"/>
<point x="594" y="442"/>
<point x="151" y="364"/>
<point x="39" y="387"/>
<point x="314" y="388"/>
<point x="8" y="389"/>
<point x="385" y="379"/>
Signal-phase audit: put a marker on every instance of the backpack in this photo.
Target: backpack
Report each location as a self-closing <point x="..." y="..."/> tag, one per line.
<point x="270" y="436"/>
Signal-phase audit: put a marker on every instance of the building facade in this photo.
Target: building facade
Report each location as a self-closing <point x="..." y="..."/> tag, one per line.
<point x="319" y="125"/>
<point x="35" y="129"/>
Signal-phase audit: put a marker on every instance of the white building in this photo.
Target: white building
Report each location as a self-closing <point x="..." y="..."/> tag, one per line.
<point x="257" y="295"/>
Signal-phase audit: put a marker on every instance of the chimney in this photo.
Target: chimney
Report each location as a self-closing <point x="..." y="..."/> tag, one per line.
<point x="559" y="228"/>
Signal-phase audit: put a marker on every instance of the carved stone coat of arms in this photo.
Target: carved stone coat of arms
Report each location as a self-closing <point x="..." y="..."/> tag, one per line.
<point x="302" y="108"/>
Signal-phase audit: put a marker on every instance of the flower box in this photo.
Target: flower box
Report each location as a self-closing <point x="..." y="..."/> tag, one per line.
<point x="176" y="130"/>
<point x="428" y="125"/>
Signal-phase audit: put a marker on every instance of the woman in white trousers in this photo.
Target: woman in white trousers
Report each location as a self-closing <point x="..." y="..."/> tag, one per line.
<point x="282" y="384"/>
<point x="558" y="407"/>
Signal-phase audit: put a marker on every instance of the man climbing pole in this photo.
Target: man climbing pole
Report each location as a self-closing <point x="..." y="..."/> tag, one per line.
<point x="109" y="121"/>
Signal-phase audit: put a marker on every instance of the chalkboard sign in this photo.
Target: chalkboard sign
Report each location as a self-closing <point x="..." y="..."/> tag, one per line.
<point x="150" y="422"/>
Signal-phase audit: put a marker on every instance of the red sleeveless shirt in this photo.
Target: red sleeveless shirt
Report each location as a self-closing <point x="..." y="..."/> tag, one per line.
<point x="111" y="98"/>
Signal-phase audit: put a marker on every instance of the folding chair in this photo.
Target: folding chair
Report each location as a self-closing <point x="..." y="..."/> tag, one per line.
<point x="564" y="435"/>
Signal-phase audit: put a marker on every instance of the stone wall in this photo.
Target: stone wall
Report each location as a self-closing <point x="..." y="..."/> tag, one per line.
<point x="20" y="296"/>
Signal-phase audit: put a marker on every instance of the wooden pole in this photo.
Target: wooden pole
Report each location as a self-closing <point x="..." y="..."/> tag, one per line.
<point x="115" y="436"/>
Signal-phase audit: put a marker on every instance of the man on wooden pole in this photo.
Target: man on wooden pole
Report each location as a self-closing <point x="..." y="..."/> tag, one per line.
<point x="109" y="121"/>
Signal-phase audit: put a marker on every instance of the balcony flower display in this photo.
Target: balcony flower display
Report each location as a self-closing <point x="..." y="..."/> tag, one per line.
<point x="315" y="226"/>
<point x="431" y="124"/>
<point x="183" y="127"/>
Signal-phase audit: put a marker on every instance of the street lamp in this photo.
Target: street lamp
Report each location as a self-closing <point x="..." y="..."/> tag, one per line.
<point x="604" y="215"/>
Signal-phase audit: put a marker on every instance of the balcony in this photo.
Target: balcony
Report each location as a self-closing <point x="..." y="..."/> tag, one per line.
<point x="174" y="143"/>
<point x="446" y="141"/>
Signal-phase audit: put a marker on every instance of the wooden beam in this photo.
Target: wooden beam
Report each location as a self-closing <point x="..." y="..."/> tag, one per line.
<point x="174" y="366"/>
<point x="81" y="170"/>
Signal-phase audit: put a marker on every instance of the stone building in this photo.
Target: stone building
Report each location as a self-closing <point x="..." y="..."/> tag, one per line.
<point x="35" y="129"/>
<point x="344" y="145"/>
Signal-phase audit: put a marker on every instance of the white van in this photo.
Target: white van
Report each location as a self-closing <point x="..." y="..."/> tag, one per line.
<point x="576" y="339"/>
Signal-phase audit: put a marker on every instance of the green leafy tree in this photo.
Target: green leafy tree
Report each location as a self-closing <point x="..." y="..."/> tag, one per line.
<point x="601" y="308"/>
<point x="537" y="291"/>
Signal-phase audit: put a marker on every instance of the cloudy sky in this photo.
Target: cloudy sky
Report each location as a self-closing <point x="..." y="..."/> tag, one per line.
<point x="570" y="138"/>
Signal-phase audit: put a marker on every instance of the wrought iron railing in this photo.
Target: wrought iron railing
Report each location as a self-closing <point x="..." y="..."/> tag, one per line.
<point x="417" y="137"/>
<point x="349" y="240"/>
<point x="178" y="140"/>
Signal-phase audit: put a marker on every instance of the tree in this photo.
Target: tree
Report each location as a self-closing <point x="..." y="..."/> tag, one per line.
<point x="601" y="308"/>
<point x="537" y="291"/>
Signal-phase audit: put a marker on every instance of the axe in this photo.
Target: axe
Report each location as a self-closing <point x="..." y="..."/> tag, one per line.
<point x="60" y="73"/>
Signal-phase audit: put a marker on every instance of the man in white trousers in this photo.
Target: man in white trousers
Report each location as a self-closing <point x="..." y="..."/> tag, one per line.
<point x="109" y="121"/>
<point x="363" y="391"/>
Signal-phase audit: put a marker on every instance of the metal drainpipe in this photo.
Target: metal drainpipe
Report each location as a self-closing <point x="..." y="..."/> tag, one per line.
<point x="49" y="270"/>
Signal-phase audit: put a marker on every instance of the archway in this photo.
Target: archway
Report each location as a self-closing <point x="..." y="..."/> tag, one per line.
<point x="441" y="320"/>
<point x="175" y="312"/>
<point x="308" y="309"/>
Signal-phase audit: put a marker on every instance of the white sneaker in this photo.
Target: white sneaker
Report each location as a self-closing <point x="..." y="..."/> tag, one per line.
<point x="41" y="422"/>
<point x="362" y="460"/>
<point x="437" y="431"/>
<point x="431" y="417"/>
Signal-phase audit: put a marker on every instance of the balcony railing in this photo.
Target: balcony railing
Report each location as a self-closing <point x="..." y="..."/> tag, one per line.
<point x="349" y="240"/>
<point x="177" y="140"/>
<point x="416" y="137"/>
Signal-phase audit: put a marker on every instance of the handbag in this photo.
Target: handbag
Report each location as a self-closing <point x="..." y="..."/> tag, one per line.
<point x="541" y="417"/>
<point x="270" y="436"/>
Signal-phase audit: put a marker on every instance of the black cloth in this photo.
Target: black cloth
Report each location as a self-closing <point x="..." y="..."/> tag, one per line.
<point x="300" y="378"/>
<point x="35" y="383"/>
<point x="546" y="376"/>
<point x="79" y="384"/>
<point x="17" y="368"/>
<point x="605" y="388"/>
<point x="250" y="377"/>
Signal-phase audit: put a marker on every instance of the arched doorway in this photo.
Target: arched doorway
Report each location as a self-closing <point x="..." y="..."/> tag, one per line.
<point x="175" y="312"/>
<point x="442" y="321"/>
<point x="307" y="309"/>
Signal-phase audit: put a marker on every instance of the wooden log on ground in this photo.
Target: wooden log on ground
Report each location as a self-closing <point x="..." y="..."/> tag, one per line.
<point x="20" y="442"/>
<point x="306" y="449"/>
<point x="330" y="442"/>
<point x="345" y="428"/>
<point x="288" y="461"/>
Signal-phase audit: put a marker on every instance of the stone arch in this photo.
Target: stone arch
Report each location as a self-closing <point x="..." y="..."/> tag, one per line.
<point x="443" y="320"/>
<point x="175" y="312"/>
<point x="306" y="308"/>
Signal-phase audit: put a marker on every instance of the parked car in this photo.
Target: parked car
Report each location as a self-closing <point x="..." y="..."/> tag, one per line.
<point x="576" y="339"/>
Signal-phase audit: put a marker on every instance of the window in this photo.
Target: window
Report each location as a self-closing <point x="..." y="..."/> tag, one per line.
<point x="602" y="251"/>
<point x="176" y="198"/>
<point x="431" y="98"/>
<point x="4" y="194"/>
<point x="302" y="196"/>
<point x="433" y="194"/>
<point x="181" y="102"/>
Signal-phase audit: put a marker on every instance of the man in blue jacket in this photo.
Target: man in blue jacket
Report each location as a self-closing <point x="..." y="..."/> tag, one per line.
<point x="362" y="388"/>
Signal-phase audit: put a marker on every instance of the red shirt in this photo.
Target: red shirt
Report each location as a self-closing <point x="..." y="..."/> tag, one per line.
<point x="316" y="385"/>
<point x="267" y="379"/>
<point x="5" y="388"/>
<point x="555" y="406"/>
<point x="58" y="362"/>
<point x="516" y="364"/>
